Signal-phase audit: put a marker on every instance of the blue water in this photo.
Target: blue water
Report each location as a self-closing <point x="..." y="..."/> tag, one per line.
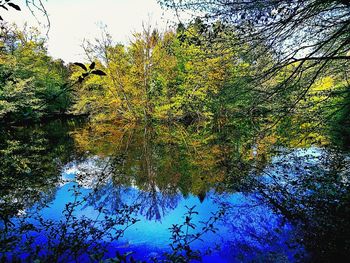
<point x="249" y="231"/>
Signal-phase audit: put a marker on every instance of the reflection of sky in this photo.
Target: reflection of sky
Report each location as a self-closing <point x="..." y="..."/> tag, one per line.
<point x="248" y="231"/>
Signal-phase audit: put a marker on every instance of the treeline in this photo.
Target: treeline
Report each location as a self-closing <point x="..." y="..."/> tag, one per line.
<point x="164" y="76"/>
<point x="194" y="74"/>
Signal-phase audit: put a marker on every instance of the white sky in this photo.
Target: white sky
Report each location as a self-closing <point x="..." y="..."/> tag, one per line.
<point x="74" y="20"/>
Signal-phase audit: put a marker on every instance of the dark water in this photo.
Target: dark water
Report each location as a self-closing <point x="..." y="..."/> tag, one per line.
<point x="69" y="177"/>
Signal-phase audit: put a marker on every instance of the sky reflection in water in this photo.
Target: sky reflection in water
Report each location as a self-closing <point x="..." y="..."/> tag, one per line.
<point x="247" y="231"/>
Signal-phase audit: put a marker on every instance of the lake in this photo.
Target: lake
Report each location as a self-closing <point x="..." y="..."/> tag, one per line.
<point x="78" y="192"/>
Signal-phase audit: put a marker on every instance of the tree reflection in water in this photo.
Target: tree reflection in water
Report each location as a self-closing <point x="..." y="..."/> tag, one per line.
<point x="162" y="168"/>
<point x="274" y="201"/>
<point x="30" y="161"/>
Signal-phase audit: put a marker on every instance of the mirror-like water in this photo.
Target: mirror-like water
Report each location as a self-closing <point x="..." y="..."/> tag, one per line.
<point x="76" y="192"/>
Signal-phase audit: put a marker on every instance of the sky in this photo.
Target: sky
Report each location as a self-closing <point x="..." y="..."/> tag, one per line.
<point x="72" y="21"/>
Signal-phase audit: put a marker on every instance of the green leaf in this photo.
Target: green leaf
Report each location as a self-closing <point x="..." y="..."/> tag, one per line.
<point x="98" y="72"/>
<point x="81" y="65"/>
<point x="14" y="6"/>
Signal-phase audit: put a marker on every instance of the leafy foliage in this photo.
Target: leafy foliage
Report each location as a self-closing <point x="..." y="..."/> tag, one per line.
<point x="183" y="236"/>
<point x="29" y="77"/>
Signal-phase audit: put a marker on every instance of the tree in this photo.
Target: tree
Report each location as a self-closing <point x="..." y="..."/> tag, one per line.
<point x="136" y="76"/>
<point x="292" y="46"/>
<point x="29" y="78"/>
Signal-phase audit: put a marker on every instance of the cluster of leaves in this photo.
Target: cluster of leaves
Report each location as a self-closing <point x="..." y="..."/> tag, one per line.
<point x="29" y="77"/>
<point x="88" y="71"/>
<point x="33" y="85"/>
<point x="182" y="235"/>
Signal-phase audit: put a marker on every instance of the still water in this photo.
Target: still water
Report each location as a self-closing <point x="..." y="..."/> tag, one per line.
<point x="112" y="188"/>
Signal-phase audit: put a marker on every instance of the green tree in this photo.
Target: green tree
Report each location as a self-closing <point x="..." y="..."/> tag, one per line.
<point x="30" y="77"/>
<point x="293" y="45"/>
